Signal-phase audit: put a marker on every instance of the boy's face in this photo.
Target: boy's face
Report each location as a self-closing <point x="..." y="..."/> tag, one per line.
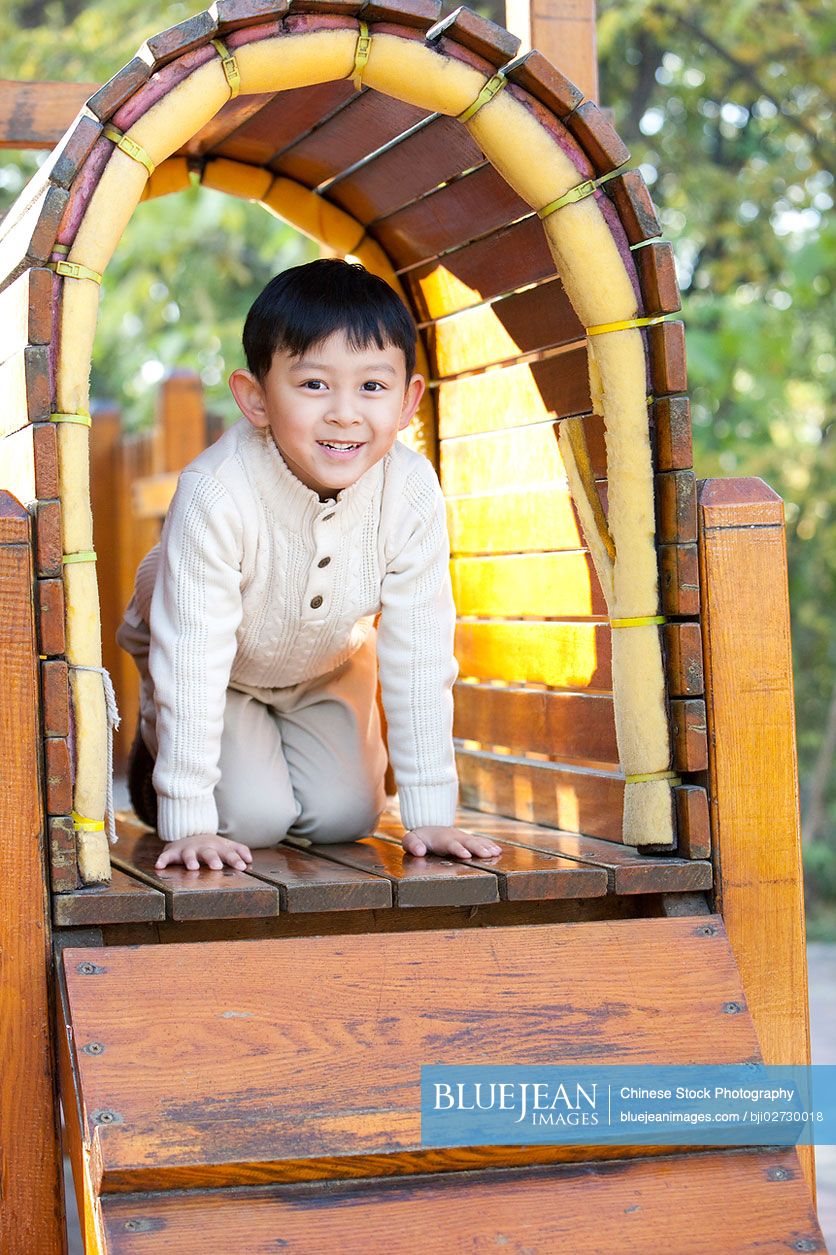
<point x="334" y="412"/>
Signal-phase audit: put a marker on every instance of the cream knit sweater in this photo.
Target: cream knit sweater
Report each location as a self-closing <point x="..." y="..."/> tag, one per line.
<point x="261" y="584"/>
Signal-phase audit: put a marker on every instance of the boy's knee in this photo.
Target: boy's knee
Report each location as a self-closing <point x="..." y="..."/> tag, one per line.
<point x="255" y="822"/>
<point x="337" y="818"/>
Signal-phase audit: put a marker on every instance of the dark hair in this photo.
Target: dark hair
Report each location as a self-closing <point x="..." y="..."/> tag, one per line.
<point x="306" y="304"/>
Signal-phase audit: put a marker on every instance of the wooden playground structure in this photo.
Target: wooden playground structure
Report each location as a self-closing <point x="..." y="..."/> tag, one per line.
<point x="238" y="1055"/>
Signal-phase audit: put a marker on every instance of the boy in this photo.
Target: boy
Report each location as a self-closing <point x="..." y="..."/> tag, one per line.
<point x="252" y="620"/>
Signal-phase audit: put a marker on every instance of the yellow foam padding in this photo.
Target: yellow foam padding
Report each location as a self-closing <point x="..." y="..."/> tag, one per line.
<point x="180" y="114"/>
<point x="171" y="176"/>
<point x="74" y="473"/>
<point x="410" y="70"/>
<point x="93" y="857"/>
<point x="237" y="178"/>
<point x="648" y="808"/>
<point x="588" y="260"/>
<point x="113" y="201"/>
<point x="90" y="732"/>
<point x="597" y="549"/>
<point x="296" y="60"/>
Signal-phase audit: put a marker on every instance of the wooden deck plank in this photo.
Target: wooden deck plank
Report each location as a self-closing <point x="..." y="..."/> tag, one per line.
<point x="201" y="894"/>
<point x="307" y="883"/>
<point x="124" y="900"/>
<point x="725" y="1202"/>
<point x="304" y="1054"/>
<point x="429" y="881"/>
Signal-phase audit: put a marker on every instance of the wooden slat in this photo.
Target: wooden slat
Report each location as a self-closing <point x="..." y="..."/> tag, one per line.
<point x="572" y="798"/>
<point x="48" y="548"/>
<point x="528" y="521"/>
<point x="671" y="417"/>
<point x="541" y="585"/>
<point x="280" y="122"/>
<point x="49" y="609"/>
<point x="395" y="179"/>
<point x="668" y="373"/>
<point x="201" y="894"/>
<point x="676" y="507"/>
<point x="25" y="388"/>
<point x="179" y="39"/>
<point x="229" y="121"/>
<point x="692" y="821"/>
<point x="524" y="875"/>
<point x="568" y="655"/>
<point x="63" y="854"/>
<point x="473" y="205"/>
<point x="26" y="312"/>
<point x="525" y="458"/>
<point x="753" y="767"/>
<point x="554" y="385"/>
<point x="636" y="210"/>
<point x="428" y="881"/>
<point x="55" y="696"/>
<point x="597" y="136"/>
<point x="630" y="871"/>
<point x="58" y="786"/>
<point x="522" y="322"/>
<point x="657" y="278"/>
<point x="679" y="580"/>
<point x="368" y="121"/>
<point x="579" y="727"/>
<point x="345" y="1028"/>
<point x="306" y="883"/>
<point x="36" y="115"/>
<point x="723" y="1202"/>
<point x="31" y="1213"/>
<point x="463" y="28"/>
<point x="124" y="900"/>
<point x="117" y="90"/>
<point x="507" y="259"/>
<point x="690" y="736"/>
<point x="26" y="238"/>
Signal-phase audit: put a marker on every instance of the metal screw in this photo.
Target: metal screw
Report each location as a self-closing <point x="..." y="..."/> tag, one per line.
<point x="89" y="969"/>
<point x="708" y="931"/>
<point x="806" y="1244"/>
<point x="778" y="1174"/>
<point x="93" y="1048"/>
<point x="732" y="1008"/>
<point x="107" y="1117"/>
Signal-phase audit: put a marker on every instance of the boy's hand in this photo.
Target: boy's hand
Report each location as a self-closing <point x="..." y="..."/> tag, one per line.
<point x="214" y="850"/>
<point x="450" y="841"/>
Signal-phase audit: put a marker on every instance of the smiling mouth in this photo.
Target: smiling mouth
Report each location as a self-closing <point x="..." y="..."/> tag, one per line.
<point x="340" y="446"/>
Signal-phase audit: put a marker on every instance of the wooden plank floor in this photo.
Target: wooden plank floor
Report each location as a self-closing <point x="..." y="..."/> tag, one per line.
<point x="725" y="1203"/>
<point x="537" y="864"/>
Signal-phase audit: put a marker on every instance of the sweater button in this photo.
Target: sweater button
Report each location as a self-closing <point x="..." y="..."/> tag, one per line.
<point x="323" y="562"/>
<point x="316" y="602"/>
<point x="326" y="517"/>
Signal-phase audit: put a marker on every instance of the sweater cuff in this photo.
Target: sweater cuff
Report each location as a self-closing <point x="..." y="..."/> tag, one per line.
<point x="424" y="805"/>
<point x="179" y="817"/>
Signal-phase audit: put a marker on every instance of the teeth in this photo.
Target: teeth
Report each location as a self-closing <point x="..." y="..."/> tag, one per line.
<point x="334" y="444"/>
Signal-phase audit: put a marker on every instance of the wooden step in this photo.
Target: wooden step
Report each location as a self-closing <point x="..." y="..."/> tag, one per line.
<point x="229" y="1063"/>
<point x="722" y="1203"/>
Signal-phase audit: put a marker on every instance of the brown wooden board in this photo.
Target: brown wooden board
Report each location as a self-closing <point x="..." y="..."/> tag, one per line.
<point x="306" y="883"/>
<point x="632" y="199"/>
<point x="227" y="122"/>
<point x="539" y="77"/>
<point x="124" y="900"/>
<point x="517" y="458"/>
<point x="279" y="123"/>
<point x="201" y="894"/>
<point x="177" y="40"/>
<point x="49" y="609"/>
<point x="470" y="206"/>
<point x="26" y="312"/>
<point x="549" y="385"/>
<point x="31" y="1214"/>
<point x="657" y="278"/>
<point x="676" y="507"/>
<point x="48" y="549"/>
<point x="478" y="34"/>
<point x="346" y="1027"/>
<point x="679" y="580"/>
<point x="538" y="585"/>
<point x="112" y="94"/>
<point x="523" y="875"/>
<point x="511" y="257"/>
<point x="597" y="137"/>
<point x="579" y="727"/>
<point x="25" y="388"/>
<point x="28" y="233"/>
<point x="692" y="821"/>
<point x="668" y="372"/>
<point x="392" y="180"/>
<point x="524" y="322"/>
<point x="724" y="1202"/>
<point x="513" y="522"/>
<point x="690" y="736"/>
<point x="58" y="785"/>
<point x="55" y="697"/>
<point x="367" y="122"/>
<point x="63" y="854"/>
<point x="671" y="417"/>
<point x="416" y="882"/>
<point x="574" y="655"/>
<point x="629" y="870"/>
<point x="573" y="798"/>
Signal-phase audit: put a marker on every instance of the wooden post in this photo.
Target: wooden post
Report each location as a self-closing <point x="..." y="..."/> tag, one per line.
<point x="31" y="1181"/>
<point x="105" y="433"/>
<point x="753" y="770"/>
<point x="564" y="31"/>
<point x="182" y="419"/>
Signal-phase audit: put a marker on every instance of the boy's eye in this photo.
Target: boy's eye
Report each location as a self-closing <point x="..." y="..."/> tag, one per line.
<point x="307" y="382"/>
<point x="374" y="383"/>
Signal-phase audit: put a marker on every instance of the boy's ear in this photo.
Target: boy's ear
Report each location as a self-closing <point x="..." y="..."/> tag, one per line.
<point x="249" y="397"/>
<point x="412" y="398"/>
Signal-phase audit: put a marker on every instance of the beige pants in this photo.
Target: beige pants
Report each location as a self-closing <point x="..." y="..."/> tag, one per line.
<point x="306" y="761"/>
